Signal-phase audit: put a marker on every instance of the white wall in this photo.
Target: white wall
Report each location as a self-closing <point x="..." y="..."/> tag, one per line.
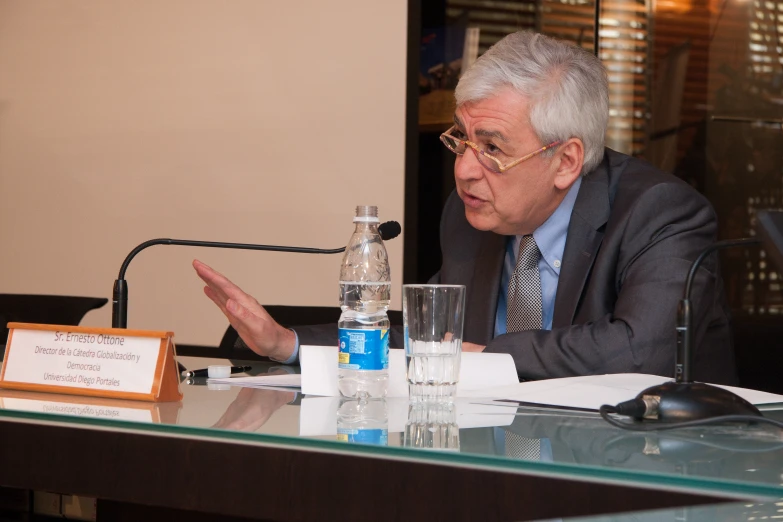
<point x="243" y="120"/>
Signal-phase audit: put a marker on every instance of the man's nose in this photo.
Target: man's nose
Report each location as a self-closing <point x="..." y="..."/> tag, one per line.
<point x="467" y="167"/>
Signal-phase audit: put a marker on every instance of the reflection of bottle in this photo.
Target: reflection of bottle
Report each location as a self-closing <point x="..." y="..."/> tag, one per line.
<point x="363" y="421"/>
<point x="433" y="425"/>
<point x="365" y="287"/>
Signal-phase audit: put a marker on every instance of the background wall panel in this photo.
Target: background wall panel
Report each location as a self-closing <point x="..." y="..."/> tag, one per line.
<point x="243" y="120"/>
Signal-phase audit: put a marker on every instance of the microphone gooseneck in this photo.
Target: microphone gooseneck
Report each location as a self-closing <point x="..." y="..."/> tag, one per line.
<point x="119" y="315"/>
<point x="684" y="356"/>
<point x="684" y="402"/>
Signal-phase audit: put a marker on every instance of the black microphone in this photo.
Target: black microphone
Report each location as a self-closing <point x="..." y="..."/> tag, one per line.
<point x="684" y="400"/>
<point x="119" y="311"/>
<point x="389" y="230"/>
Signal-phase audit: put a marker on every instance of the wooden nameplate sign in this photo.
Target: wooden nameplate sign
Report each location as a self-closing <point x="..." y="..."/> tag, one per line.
<point x="99" y="362"/>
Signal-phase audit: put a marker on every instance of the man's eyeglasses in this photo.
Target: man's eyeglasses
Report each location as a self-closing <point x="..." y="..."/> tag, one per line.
<point x="458" y="146"/>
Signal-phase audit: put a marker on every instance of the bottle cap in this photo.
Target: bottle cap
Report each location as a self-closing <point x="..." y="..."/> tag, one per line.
<point x="218" y="372"/>
<point x="218" y="387"/>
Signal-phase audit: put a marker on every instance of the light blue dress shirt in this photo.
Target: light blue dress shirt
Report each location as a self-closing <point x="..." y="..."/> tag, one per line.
<point x="294" y="356"/>
<point x="551" y="239"/>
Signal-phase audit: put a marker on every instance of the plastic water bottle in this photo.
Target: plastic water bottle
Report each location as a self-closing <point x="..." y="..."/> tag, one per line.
<point x="365" y="289"/>
<point x="363" y="422"/>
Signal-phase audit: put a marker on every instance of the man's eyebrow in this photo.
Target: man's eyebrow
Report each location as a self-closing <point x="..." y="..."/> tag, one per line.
<point x="481" y="132"/>
<point x="491" y="134"/>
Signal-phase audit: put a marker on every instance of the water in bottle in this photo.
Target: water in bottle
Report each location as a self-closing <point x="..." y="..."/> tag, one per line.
<point x="365" y="289"/>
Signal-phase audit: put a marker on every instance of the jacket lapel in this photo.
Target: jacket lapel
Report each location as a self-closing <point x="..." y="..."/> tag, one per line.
<point x="483" y="299"/>
<point x="585" y="232"/>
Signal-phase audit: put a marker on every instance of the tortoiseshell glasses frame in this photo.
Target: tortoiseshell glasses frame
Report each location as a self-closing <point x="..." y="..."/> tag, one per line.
<point x="458" y="147"/>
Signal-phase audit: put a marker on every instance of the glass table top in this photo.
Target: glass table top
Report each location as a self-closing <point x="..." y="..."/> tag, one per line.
<point x="738" y="461"/>
<point x="730" y="512"/>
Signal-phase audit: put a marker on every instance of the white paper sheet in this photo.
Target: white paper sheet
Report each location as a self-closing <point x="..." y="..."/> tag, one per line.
<point x="756" y="397"/>
<point x="318" y="415"/>
<point x="477" y="371"/>
<point x="293" y="380"/>
<point x="593" y="391"/>
<point x="482" y="376"/>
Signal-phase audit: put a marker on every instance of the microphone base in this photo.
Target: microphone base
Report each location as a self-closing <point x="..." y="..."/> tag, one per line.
<point x="687" y="401"/>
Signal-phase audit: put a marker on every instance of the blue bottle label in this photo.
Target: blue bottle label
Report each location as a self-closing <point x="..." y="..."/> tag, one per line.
<point x="378" y="437"/>
<point x="364" y="349"/>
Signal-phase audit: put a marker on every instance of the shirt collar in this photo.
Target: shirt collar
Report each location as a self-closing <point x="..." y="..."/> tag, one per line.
<point x="551" y="235"/>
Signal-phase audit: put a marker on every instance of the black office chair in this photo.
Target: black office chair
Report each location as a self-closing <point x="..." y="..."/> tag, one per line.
<point x="232" y="347"/>
<point x="44" y="309"/>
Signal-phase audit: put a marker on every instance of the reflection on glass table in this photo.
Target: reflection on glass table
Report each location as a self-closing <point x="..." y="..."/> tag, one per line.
<point x="731" y="512"/>
<point x="748" y="459"/>
<point x="432" y="425"/>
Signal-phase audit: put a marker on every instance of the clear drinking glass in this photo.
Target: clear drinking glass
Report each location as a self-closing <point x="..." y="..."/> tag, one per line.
<point x="433" y="316"/>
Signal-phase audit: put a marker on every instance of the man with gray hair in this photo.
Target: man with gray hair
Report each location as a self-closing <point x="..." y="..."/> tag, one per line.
<point x="574" y="255"/>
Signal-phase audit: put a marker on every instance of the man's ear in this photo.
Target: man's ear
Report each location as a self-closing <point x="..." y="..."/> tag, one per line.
<point x="571" y="155"/>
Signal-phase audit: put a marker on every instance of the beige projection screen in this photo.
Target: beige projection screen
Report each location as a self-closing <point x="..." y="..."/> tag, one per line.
<point x="242" y="120"/>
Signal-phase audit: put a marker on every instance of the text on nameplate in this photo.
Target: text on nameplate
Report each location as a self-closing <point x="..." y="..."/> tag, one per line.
<point x="83" y="360"/>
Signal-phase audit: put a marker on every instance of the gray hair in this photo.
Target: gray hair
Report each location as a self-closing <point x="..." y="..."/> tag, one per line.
<point x="566" y="86"/>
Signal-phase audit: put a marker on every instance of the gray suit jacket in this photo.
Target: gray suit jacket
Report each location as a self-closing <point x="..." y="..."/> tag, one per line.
<point x="633" y="235"/>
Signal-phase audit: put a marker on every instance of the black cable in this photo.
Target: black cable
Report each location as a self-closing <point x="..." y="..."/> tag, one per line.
<point x="605" y="410"/>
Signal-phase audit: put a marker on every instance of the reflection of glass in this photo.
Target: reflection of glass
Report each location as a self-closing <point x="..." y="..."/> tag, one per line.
<point x="433" y="317"/>
<point x="432" y="424"/>
<point x="363" y="421"/>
